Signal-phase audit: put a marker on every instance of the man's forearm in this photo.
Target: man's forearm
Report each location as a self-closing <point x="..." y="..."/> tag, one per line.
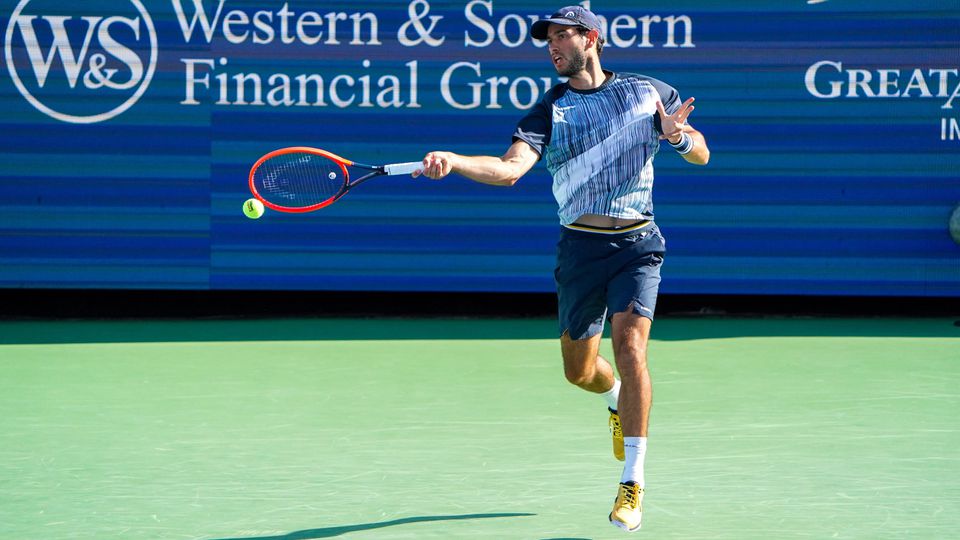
<point x="486" y="169"/>
<point x="700" y="155"/>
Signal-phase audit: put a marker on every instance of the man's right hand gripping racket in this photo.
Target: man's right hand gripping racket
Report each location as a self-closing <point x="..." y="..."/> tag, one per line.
<point x="302" y="179"/>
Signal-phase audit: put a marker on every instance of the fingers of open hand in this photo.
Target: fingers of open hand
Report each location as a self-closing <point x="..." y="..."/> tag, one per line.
<point x="685" y="111"/>
<point x="661" y="110"/>
<point x="676" y="123"/>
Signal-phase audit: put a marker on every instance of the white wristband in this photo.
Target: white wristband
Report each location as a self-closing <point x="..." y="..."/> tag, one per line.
<point x="685" y="145"/>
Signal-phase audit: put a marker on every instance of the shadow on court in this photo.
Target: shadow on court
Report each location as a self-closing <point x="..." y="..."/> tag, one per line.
<point x="375" y="329"/>
<point x="329" y="532"/>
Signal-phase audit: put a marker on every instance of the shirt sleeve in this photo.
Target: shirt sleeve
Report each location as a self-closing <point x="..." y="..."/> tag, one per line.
<point x="534" y="128"/>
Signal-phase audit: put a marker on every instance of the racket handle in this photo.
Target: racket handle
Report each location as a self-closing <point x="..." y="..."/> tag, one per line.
<point x="403" y="168"/>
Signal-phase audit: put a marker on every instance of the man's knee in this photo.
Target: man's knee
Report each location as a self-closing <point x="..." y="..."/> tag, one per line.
<point x="578" y="373"/>
<point x="631" y="357"/>
<point x="579" y="359"/>
<point x="631" y="333"/>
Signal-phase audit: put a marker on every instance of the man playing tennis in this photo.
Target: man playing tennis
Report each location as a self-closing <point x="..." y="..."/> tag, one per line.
<point x="598" y="133"/>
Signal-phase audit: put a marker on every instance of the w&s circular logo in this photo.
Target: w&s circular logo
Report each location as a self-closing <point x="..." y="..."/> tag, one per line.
<point x="78" y="65"/>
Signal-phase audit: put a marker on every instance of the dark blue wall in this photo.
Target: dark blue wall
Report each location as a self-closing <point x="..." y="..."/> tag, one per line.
<point x="134" y="178"/>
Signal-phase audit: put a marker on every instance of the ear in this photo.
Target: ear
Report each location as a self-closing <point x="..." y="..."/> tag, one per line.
<point x="592" y="37"/>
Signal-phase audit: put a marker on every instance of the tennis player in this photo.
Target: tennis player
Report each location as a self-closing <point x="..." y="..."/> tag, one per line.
<point x="598" y="134"/>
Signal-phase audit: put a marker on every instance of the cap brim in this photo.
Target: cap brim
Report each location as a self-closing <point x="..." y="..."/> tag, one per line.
<point x="539" y="28"/>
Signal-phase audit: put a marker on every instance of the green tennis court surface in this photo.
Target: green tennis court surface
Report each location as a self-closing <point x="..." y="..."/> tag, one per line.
<point x="317" y="428"/>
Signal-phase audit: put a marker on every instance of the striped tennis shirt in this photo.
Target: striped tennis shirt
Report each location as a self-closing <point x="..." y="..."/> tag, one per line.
<point x="599" y="144"/>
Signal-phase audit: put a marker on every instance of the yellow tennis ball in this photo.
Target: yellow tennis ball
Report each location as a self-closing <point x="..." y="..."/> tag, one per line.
<point x="252" y="208"/>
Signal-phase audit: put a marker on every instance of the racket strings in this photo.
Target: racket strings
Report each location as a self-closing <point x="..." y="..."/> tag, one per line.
<point x="298" y="180"/>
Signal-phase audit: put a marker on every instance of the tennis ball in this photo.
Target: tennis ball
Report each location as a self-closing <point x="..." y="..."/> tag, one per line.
<point x="252" y="208"/>
<point x="955" y="224"/>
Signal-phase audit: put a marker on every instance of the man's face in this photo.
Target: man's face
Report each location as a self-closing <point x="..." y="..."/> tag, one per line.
<point x="566" y="47"/>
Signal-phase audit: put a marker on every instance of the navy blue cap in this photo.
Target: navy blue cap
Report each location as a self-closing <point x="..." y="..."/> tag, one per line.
<point x="570" y="16"/>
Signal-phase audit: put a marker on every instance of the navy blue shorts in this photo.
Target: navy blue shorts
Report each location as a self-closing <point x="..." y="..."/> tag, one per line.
<point x="599" y="274"/>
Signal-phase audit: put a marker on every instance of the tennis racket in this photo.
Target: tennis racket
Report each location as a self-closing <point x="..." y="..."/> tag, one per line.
<point x="302" y="179"/>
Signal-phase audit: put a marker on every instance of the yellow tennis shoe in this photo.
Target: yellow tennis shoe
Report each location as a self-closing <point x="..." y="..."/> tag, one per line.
<point x="628" y="509"/>
<point x="617" y="431"/>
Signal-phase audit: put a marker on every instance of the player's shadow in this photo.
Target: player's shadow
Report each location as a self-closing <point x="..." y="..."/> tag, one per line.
<point x="329" y="532"/>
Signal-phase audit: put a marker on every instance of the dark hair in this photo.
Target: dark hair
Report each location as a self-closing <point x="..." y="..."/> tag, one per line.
<point x="584" y="31"/>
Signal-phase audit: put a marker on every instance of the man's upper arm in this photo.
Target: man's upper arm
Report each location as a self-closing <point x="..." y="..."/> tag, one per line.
<point x="521" y="156"/>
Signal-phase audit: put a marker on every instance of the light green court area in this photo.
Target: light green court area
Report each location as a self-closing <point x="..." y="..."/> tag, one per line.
<point x="407" y="429"/>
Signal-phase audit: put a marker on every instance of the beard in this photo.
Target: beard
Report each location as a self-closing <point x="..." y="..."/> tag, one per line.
<point x="575" y="64"/>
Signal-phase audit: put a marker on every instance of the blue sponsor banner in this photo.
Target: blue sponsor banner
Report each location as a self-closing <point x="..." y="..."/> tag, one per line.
<point x="129" y="128"/>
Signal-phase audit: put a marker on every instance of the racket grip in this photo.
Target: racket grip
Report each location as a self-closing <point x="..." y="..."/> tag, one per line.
<point x="403" y="168"/>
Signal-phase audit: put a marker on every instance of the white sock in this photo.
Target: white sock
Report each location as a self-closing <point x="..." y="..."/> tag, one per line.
<point x="612" y="395"/>
<point x="635" y="450"/>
